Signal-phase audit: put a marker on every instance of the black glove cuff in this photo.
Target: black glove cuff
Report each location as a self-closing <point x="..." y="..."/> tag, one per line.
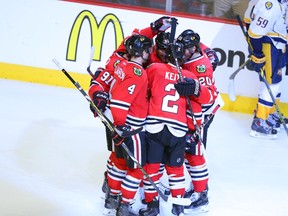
<point x="100" y="95"/>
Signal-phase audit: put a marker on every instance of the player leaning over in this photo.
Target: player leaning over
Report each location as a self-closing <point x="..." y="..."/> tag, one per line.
<point x="201" y="61"/>
<point x="267" y="37"/>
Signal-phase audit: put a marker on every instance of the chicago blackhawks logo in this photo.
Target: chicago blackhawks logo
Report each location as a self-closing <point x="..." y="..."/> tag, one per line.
<point x="201" y="68"/>
<point x="137" y="71"/>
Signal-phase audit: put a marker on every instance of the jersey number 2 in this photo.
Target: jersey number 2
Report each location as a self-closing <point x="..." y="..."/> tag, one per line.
<point x="170" y="98"/>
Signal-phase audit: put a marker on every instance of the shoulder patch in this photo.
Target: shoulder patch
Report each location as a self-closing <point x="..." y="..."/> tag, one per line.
<point x="116" y="63"/>
<point x="201" y="68"/>
<point x="137" y="71"/>
<point x="268" y="5"/>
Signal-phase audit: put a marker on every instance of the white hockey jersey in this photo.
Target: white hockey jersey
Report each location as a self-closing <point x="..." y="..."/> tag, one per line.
<point x="268" y="18"/>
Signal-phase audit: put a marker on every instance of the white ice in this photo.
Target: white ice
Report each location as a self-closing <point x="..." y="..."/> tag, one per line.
<point x="53" y="154"/>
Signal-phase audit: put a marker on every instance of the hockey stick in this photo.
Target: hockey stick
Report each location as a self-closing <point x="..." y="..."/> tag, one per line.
<point x="172" y="45"/>
<point x="231" y="86"/>
<point x="90" y="62"/>
<point x="241" y="25"/>
<point x="103" y="118"/>
<point x="262" y="75"/>
<point x="216" y="108"/>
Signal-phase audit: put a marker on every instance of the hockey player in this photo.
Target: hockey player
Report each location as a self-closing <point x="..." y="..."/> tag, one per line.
<point x="100" y="87"/>
<point x="267" y="38"/>
<point x="166" y="128"/>
<point x="159" y="49"/>
<point x="129" y="107"/>
<point x="158" y="56"/>
<point x="201" y="61"/>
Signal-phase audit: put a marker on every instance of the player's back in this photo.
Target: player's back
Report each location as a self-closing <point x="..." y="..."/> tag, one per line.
<point x="166" y="107"/>
<point x="128" y="101"/>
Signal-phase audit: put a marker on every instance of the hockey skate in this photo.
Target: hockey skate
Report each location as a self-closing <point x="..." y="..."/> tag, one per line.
<point x="111" y="203"/>
<point x="189" y="191"/>
<point x="260" y="129"/>
<point x="275" y="116"/>
<point x="125" y="209"/>
<point x="142" y="195"/>
<point x="177" y="210"/>
<point x="105" y="183"/>
<point x="273" y="123"/>
<point x="152" y="209"/>
<point x="199" y="203"/>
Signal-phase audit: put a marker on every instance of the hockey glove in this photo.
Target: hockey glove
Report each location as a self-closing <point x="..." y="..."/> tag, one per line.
<point x="118" y="140"/>
<point x="100" y="99"/>
<point x="189" y="87"/>
<point x="161" y="24"/>
<point x="211" y="54"/>
<point x="192" y="140"/>
<point x="257" y="61"/>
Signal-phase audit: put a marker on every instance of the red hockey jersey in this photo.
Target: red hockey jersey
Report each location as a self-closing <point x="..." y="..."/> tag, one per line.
<point x="103" y="80"/>
<point x="166" y="106"/>
<point x="202" y="68"/>
<point x="128" y="102"/>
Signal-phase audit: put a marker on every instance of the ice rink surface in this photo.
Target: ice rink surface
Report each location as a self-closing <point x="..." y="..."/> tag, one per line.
<point x="53" y="155"/>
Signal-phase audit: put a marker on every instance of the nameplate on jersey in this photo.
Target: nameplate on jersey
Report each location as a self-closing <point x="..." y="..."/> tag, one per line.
<point x="137" y="71"/>
<point x="201" y="68"/>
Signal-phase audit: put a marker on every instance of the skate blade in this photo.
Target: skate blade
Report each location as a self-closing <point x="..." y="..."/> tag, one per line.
<point x="263" y="136"/>
<point x="109" y="212"/>
<point x="198" y="210"/>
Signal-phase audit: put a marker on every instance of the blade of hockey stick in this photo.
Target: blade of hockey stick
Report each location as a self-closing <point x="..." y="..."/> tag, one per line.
<point x="91" y="56"/>
<point x="231" y="86"/>
<point x="231" y="90"/>
<point x="173" y="200"/>
<point x="90" y="62"/>
<point x="103" y="118"/>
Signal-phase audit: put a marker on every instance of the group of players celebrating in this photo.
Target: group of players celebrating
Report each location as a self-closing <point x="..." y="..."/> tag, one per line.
<point x="165" y="86"/>
<point x="168" y="90"/>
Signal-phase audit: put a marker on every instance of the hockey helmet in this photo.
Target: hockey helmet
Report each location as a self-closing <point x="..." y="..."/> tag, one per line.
<point x="162" y="40"/>
<point x="137" y="44"/>
<point x="189" y="38"/>
<point x="122" y="46"/>
<point x="178" y="52"/>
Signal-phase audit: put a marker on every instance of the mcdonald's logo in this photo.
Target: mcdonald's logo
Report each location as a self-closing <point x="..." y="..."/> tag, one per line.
<point x="97" y="32"/>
